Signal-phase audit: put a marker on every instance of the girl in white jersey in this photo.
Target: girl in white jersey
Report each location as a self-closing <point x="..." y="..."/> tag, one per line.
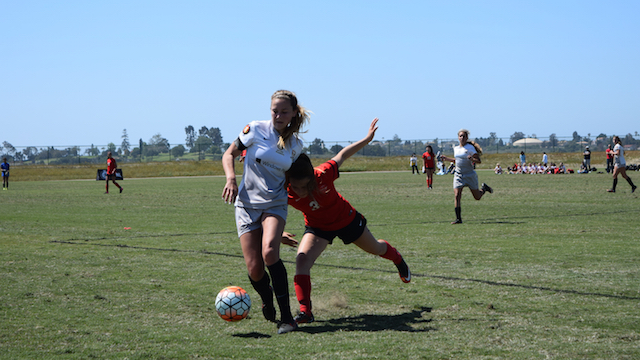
<point x="261" y="199"/>
<point x="620" y="165"/>
<point x="465" y="156"/>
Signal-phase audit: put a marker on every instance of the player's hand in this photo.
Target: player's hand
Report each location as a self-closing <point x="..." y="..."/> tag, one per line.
<point x="287" y="239"/>
<point x="372" y="129"/>
<point x="230" y="192"/>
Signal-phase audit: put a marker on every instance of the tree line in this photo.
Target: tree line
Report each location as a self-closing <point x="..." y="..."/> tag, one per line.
<point x="209" y="141"/>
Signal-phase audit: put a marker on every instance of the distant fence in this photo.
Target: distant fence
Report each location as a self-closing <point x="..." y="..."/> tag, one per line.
<point x="92" y="154"/>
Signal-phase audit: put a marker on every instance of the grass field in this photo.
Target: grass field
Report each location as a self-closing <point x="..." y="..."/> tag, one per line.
<point x="544" y="268"/>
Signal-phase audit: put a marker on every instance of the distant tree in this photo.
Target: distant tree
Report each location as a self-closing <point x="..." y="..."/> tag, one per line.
<point x="316" y="147"/>
<point x="202" y="144"/>
<point x="8" y="148"/>
<point x="373" y="150"/>
<point x="124" y="146"/>
<point x="216" y="137"/>
<point x="110" y="147"/>
<point x="135" y="152"/>
<point x="576" y="137"/>
<point x="493" y="138"/>
<point x="516" y="136"/>
<point x="92" y="151"/>
<point x="629" y="140"/>
<point x="335" y="149"/>
<point x="72" y="151"/>
<point x="159" y="143"/>
<point x="177" y="151"/>
<point x="553" y="140"/>
<point x="30" y="152"/>
<point x="191" y="136"/>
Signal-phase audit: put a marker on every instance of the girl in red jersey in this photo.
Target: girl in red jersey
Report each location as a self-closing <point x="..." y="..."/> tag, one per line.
<point x="327" y="215"/>
<point x="111" y="172"/>
<point x="429" y="159"/>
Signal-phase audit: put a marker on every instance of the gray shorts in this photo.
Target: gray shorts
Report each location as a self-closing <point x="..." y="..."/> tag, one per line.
<point x="462" y="180"/>
<point x="251" y="219"/>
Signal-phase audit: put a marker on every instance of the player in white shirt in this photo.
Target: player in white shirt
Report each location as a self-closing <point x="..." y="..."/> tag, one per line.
<point x="620" y="165"/>
<point x="261" y="199"/>
<point x="465" y="156"/>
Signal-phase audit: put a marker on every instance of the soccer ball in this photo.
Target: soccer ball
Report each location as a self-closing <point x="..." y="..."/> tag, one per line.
<point x="233" y="303"/>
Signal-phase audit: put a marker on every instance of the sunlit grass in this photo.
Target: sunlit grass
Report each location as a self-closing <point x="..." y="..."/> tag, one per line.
<point x="546" y="267"/>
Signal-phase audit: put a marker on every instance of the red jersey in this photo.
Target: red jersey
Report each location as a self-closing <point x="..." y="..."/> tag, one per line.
<point x="609" y="154"/>
<point x="111" y="166"/>
<point x="429" y="160"/>
<point x="325" y="209"/>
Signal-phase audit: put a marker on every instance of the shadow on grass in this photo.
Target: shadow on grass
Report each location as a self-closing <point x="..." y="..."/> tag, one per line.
<point x="450" y="278"/>
<point x="252" y="335"/>
<point x="407" y="322"/>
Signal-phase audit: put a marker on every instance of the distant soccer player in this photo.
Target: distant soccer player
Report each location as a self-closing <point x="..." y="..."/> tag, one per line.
<point x="620" y="165"/>
<point x="327" y="215"/>
<point x="112" y="165"/>
<point x="429" y="161"/>
<point x="5" y="174"/>
<point x="465" y="156"/>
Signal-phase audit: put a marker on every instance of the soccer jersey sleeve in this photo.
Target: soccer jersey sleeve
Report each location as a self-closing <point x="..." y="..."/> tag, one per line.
<point x="247" y="135"/>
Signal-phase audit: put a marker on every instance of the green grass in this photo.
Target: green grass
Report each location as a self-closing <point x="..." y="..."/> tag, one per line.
<point x="546" y="267"/>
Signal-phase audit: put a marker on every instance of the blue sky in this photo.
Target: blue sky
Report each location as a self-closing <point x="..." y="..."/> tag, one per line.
<point x="79" y="72"/>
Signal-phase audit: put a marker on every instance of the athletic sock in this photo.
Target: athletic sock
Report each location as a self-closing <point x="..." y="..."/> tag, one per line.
<point x="302" y="284"/>
<point x="615" y="183"/>
<point x="458" y="213"/>
<point x="263" y="287"/>
<point x="116" y="184"/>
<point x="281" y="289"/>
<point x="392" y="254"/>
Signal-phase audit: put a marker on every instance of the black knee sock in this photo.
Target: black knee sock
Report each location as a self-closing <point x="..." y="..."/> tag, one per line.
<point x="630" y="182"/>
<point x="615" y="183"/>
<point x="263" y="287"/>
<point x="281" y="289"/>
<point x="458" y="213"/>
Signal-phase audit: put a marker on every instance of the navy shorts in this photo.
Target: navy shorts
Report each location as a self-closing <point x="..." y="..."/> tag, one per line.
<point x="347" y="234"/>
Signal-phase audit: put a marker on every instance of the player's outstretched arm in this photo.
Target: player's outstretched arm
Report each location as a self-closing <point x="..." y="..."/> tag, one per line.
<point x="350" y="150"/>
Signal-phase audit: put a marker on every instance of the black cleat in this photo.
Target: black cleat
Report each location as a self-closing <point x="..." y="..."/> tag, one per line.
<point x="404" y="272"/>
<point x="487" y="188"/>
<point x="269" y="312"/>
<point x="304" y="318"/>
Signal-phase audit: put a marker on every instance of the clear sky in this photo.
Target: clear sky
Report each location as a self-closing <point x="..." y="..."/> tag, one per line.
<point x="79" y="72"/>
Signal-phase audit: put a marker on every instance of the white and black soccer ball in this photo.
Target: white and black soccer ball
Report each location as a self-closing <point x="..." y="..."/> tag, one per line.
<point x="233" y="303"/>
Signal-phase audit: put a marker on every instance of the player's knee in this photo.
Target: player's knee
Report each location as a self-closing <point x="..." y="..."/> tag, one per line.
<point x="303" y="262"/>
<point x="270" y="255"/>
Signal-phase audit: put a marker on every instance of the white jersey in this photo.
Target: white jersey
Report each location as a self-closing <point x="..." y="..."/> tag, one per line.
<point x="618" y="160"/>
<point x="263" y="176"/>
<point x="462" y="153"/>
